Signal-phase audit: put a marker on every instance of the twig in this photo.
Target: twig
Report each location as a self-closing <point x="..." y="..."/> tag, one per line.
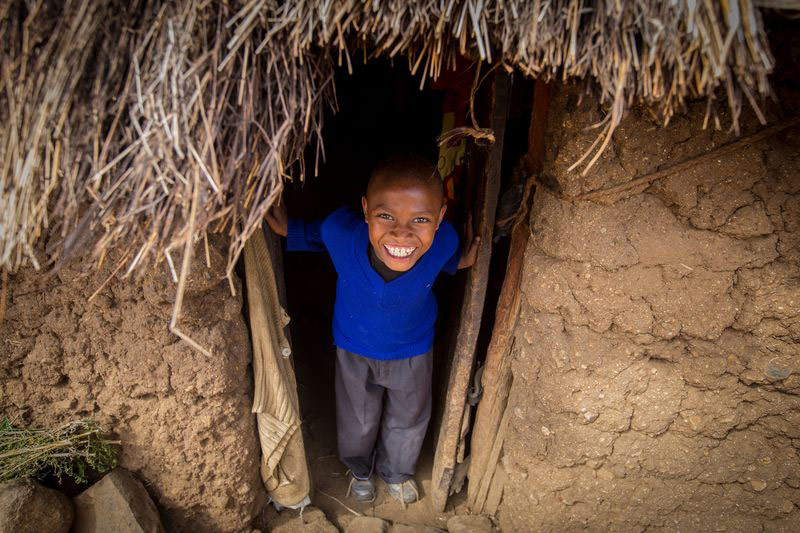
<point x="720" y="151"/>
<point x="185" y="267"/>
<point x="4" y="295"/>
<point x="111" y="276"/>
<point x="337" y="500"/>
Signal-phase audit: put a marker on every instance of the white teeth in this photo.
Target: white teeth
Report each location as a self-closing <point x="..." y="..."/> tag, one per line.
<point x="399" y="251"/>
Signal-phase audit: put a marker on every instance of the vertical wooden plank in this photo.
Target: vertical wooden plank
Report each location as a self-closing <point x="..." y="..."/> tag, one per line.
<point x="497" y="368"/>
<point x="464" y="352"/>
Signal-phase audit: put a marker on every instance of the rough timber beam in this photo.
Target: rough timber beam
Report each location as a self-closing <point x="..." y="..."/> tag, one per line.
<point x="488" y="430"/>
<point x="470" y="321"/>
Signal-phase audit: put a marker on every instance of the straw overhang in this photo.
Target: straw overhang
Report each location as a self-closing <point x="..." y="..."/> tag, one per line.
<point x="145" y="125"/>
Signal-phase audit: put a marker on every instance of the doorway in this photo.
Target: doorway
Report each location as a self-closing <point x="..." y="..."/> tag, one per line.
<point x="381" y="110"/>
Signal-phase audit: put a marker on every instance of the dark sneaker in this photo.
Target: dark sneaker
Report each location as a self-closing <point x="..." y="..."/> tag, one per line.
<point x="405" y="492"/>
<point x="362" y="490"/>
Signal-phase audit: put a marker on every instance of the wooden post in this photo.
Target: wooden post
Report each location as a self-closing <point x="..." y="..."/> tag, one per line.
<point x="488" y="430"/>
<point x="464" y="352"/>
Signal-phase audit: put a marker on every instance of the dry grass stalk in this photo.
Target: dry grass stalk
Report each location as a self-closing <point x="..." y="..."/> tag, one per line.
<point x="69" y="449"/>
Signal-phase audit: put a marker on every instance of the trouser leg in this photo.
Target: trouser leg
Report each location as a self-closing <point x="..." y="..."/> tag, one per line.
<point x="406" y="414"/>
<point x="358" y="412"/>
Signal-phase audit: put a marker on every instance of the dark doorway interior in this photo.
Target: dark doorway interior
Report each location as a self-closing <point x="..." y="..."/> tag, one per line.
<point x="381" y="111"/>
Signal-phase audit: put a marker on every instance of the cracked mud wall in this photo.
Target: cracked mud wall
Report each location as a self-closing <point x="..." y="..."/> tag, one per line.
<point x="656" y="371"/>
<point x="183" y="418"/>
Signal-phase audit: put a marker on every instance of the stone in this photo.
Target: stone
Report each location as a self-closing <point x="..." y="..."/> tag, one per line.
<point x="470" y="524"/>
<point x="367" y="524"/>
<point x="758" y="485"/>
<point x="605" y="474"/>
<point x="118" y="502"/>
<point x="312" y="514"/>
<point x="28" y="507"/>
<point x="310" y="520"/>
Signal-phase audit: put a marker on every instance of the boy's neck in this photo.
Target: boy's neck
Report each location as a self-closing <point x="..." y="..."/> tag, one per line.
<point x="380" y="267"/>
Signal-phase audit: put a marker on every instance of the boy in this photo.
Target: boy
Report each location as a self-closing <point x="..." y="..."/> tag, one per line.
<point x="384" y="316"/>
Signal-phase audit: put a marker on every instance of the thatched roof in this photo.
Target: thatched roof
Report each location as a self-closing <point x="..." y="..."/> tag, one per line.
<point x="140" y="124"/>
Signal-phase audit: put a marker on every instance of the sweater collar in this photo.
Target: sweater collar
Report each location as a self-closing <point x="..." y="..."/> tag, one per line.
<point x="361" y="250"/>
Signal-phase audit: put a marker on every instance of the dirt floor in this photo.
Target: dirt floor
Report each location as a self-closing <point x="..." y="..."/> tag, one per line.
<point x="183" y="418"/>
<point x="656" y="373"/>
<point x="310" y="280"/>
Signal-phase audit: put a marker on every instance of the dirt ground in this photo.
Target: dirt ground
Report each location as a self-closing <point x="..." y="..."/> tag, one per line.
<point x="183" y="418"/>
<point x="656" y="372"/>
<point x="310" y="280"/>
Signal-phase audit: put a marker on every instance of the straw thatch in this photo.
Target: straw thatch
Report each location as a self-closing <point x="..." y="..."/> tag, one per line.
<point x="144" y="125"/>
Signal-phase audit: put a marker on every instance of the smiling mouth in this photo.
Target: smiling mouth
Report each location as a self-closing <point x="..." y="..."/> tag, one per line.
<point x="399" y="252"/>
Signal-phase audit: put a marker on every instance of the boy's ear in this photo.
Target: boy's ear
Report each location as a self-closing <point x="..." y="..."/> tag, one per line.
<point x="441" y="214"/>
<point x="364" y="206"/>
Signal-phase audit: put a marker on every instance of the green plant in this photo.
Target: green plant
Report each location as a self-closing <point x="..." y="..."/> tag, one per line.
<point x="65" y="450"/>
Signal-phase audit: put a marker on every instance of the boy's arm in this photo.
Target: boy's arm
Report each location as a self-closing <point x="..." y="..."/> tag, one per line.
<point x="470" y="252"/>
<point x="278" y="219"/>
<point x="464" y="257"/>
<point x="300" y="235"/>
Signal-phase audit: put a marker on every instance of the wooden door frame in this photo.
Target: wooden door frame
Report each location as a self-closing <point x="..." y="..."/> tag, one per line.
<point x="486" y="480"/>
<point x="450" y="428"/>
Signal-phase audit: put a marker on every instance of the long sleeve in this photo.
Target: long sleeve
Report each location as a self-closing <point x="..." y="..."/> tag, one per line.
<point x="304" y="236"/>
<point x="452" y="264"/>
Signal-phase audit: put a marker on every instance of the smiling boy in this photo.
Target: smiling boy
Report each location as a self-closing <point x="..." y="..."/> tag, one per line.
<point x="384" y="316"/>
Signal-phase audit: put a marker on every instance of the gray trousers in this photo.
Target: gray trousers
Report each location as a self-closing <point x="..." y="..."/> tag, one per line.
<point x="384" y="401"/>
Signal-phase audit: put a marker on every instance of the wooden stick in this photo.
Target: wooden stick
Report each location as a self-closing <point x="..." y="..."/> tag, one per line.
<point x="110" y="277"/>
<point x="497" y="446"/>
<point x="497" y="368"/>
<point x="4" y="295"/>
<point x="472" y="308"/>
<point x="720" y="151"/>
<point x="185" y="267"/>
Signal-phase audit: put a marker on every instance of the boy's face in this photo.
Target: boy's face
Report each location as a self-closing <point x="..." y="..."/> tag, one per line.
<point x="403" y="217"/>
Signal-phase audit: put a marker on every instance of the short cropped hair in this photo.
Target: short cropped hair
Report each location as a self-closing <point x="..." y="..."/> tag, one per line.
<point x="406" y="166"/>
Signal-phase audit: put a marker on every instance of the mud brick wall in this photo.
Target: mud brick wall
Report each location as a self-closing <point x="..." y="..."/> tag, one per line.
<point x="183" y="418"/>
<point x="656" y="370"/>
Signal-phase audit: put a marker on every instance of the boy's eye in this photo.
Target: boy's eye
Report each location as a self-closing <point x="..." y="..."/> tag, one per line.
<point x="422" y="220"/>
<point x="385" y="216"/>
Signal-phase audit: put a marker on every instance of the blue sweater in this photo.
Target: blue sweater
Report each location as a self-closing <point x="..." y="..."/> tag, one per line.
<point x="372" y="317"/>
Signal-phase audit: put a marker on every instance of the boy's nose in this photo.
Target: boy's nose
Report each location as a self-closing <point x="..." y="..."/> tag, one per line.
<point x="401" y="230"/>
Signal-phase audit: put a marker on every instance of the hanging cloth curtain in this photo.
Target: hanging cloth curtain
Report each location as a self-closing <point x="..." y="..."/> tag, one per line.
<point x="284" y="470"/>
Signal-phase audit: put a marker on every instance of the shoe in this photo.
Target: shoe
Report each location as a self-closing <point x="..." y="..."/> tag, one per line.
<point x="405" y="492"/>
<point x="362" y="490"/>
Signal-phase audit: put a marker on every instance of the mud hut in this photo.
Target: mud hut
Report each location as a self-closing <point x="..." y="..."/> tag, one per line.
<point x="622" y="356"/>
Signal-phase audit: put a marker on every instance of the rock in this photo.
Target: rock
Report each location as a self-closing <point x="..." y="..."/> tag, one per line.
<point x="404" y="528"/>
<point x="470" y="524"/>
<point x="311" y="520"/>
<point x="311" y="514"/>
<point x="315" y="521"/>
<point x="758" y="485"/>
<point x="28" y="507"/>
<point x="118" y="502"/>
<point x="367" y="524"/>
<point x="605" y="474"/>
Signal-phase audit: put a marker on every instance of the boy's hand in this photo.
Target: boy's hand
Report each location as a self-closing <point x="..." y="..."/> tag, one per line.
<point x="278" y="219"/>
<point x="470" y="253"/>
